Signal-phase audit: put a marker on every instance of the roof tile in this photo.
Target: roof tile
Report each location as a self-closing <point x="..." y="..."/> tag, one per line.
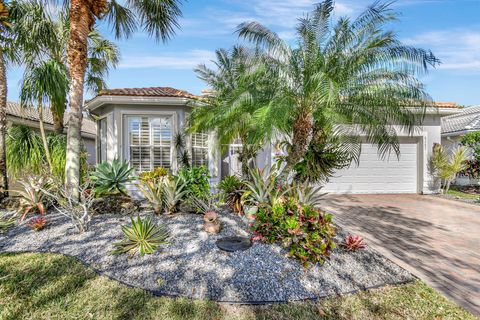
<point x="148" y="92"/>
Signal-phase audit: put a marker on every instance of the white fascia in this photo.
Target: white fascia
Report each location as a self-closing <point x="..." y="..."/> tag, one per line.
<point x="135" y="100"/>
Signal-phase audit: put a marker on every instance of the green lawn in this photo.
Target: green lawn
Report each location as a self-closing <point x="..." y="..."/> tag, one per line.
<point x="463" y="195"/>
<point x="50" y="286"/>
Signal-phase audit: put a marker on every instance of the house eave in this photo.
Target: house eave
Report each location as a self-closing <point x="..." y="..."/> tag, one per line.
<point x="135" y="100"/>
<point x="457" y="133"/>
<point x="442" y="111"/>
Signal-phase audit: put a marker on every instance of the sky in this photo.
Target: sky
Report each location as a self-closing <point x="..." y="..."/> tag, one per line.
<point x="449" y="28"/>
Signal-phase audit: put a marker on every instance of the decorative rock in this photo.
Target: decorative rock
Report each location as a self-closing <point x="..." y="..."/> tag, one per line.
<point x="232" y="244"/>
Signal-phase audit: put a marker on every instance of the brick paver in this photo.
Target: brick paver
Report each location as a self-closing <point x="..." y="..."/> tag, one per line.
<point x="438" y="240"/>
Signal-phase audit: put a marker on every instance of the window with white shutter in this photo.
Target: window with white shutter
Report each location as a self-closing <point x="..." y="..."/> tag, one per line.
<point x="149" y="142"/>
<point x="102" y="148"/>
<point x="199" y="149"/>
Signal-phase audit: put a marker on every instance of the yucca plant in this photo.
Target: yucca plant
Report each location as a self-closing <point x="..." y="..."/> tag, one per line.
<point x="175" y="191"/>
<point x="32" y="196"/>
<point x="142" y="237"/>
<point x="112" y="178"/>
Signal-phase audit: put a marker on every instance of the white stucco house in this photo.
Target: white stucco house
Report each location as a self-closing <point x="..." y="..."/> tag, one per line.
<point x="457" y="125"/>
<point x="139" y="125"/>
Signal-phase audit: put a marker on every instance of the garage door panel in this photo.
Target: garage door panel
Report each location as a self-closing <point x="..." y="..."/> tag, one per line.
<point x="377" y="175"/>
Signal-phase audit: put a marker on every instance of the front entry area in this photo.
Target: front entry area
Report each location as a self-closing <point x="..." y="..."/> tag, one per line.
<point x="376" y="175"/>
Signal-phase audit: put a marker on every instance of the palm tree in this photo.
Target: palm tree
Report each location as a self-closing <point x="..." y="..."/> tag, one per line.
<point x="237" y="90"/>
<point x="4" y="30"/>
<point x="157" y="18"/>
<point x="350" y="72"/>
<point x="49" y="48"/>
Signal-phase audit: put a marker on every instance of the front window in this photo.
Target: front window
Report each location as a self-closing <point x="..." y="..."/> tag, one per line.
<point x="102" y="127"/>
<point x="150" y="142"/>
<point x="199" y="149"/>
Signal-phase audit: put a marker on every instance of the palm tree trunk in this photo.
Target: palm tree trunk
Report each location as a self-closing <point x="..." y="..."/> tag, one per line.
<point x="302" y="135"/>
<point x="58" y="122"/>
<point x="3" y="128"/>
<point x="44" y="136"/>
<point x="81" y="22"/>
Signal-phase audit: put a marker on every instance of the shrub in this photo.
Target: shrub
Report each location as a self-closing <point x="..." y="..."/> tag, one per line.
<point x="231" y="189"/>
<point x="264" y="188"/>
<point x="472" y="169"/>
<point x="37" y="223"/>
<point x="353" y="243"/>
<point x="197" y="183"/>
<point x="305" y="231"/>
<point x="32" y="197"/>
<point x="446" y="166"/>
<point x="111" y="178"/>
<point x="155" y="176"/>
<point x="142" y="237"/>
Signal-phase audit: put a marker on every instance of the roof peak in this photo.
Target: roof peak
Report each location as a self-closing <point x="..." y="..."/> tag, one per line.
<point x="148" y="92"/>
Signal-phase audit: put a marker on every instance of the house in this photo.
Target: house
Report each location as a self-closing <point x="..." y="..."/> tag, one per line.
<point x="140" y="124"/>
<point x="28" y="116"/>
<point x="457" y="125"/>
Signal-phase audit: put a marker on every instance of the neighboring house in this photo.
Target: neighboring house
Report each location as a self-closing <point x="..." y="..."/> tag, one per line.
<point x="28" y="116"/>
<point x="139" y="125"/>
<point x="457" y="125"/>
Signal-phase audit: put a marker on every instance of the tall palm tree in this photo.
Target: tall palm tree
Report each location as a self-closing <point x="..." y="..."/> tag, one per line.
<point x="50" y="49"/>
<point x="350" y="72"/>
<point x="236" y="91"/>
<point x="158" y="18"/>
<point x="4" y="30"/>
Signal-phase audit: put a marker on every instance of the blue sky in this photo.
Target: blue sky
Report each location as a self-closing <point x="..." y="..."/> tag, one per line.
<point x="450" y="28"/>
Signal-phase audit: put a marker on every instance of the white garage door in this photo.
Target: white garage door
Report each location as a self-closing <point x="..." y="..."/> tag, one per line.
<point x="374" y="175"/>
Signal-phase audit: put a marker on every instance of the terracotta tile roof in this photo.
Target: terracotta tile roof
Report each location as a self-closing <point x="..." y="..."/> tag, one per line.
<point x="447" y="105"/>
<point x="148" y="92"/>
<point x="28" y="113"/>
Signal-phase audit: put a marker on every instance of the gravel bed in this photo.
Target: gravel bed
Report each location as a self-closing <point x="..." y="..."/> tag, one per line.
<point x="191" y="265"/>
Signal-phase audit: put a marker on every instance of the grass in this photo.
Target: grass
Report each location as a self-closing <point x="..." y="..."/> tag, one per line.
<point x="462" y="195"/>
<point x="51" y="286"/>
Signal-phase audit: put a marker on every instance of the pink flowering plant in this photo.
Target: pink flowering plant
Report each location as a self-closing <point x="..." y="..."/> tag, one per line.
<point x="353" y="243"/>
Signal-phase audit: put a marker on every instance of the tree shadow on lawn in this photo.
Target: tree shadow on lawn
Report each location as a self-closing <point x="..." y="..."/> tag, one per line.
<point x="414" y="242"/>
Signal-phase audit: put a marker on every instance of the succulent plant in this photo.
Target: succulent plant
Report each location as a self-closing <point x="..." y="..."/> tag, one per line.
<point x="353" y="243"/>
<point x="111" y="178"/>
<point x="37" y="223"/>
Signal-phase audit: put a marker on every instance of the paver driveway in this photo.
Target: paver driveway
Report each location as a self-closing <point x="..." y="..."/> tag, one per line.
<point x="436" y="239"/>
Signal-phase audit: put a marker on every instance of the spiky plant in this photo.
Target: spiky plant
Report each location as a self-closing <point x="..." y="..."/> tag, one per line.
<point x="232" y="189"/>
<point x="307" y="194"/>
<point x="7" y="220"/>
<point x="154" y="193"/>
<point x="446" y="166"/>
<point x="175" y="191"/>
<point x="111" y="178"/>
<point x="264" y="189"/>
<point x="142" y="237"/>
<point x="32" y="196"/>
<point x="353" y="243"/>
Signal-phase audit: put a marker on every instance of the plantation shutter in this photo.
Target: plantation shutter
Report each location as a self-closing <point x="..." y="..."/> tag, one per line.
<point x="150" y="141"/>
<point x="199" y="149"/>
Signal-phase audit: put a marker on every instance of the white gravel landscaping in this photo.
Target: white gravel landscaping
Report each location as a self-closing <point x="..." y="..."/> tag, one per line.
<point x="191" y="265"/>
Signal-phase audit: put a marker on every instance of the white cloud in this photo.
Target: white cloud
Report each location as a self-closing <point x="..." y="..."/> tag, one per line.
<point x="458" y="49"/>
<point x="187" y="60"/>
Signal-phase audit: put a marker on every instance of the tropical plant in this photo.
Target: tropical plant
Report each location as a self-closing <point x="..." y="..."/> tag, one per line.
<point x="307" y="194"/>
<point x="205" y="205"/>
<point x="236" y="91"/>
<point x="175" y="191"/>
<point x="158" y="18"/>
<point x="25" y="152"/>
<point x="471" y="140"/>
<point x="32" y="196"/>
<point x="37" y="223"/>
<point x="7" y="220"/>
<point x="353" y="243"/>
<point x="231" y="189"/>
<point x="353" y="72"/>
<point x="197" y="183"/>
<point x="110" y="178"/>
<point x="446" y="166"/>
<point x="156" y="175"/>
<point x="154" y="192"/>
<point x="264" y="189"/>
<point x="306" y="232"/>
<point x="183" y="156"/>
<point x="142" y="237"/>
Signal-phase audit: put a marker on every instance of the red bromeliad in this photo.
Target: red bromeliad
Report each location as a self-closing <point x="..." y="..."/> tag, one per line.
<point x="353" y="243"/>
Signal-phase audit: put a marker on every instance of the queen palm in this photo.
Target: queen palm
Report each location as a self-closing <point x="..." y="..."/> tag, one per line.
<point x="350" y="72"/>
<point x="157" y="18"/>
<point x="236" y="91"/>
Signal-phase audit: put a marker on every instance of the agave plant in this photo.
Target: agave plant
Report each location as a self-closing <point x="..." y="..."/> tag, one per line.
<point x="353" y="243"/>
<point x="175" y="191"/>
<point x="154" y="193"/>
<point x="32" y="196"/>
<point x="142" y="237"/>
<point x="112" y="178"/>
